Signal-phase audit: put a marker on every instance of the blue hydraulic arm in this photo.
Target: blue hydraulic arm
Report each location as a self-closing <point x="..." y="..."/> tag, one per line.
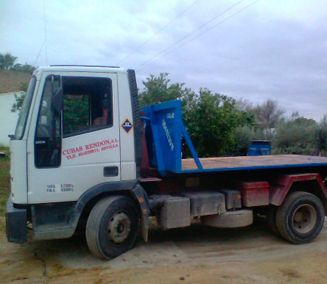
<point x="164" y="130"/>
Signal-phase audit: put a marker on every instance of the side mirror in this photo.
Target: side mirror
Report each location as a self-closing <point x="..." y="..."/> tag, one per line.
<point x="57" y="98"/>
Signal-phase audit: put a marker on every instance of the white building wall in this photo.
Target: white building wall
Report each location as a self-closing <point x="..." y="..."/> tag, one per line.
<point x="8" y="119"/>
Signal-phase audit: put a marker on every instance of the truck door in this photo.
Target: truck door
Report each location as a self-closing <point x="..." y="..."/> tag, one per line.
<point x="75" y="144"/>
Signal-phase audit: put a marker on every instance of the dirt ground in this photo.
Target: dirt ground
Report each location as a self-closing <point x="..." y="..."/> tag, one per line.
<point x="193" y="255"/>
<point x="11" y="81"/>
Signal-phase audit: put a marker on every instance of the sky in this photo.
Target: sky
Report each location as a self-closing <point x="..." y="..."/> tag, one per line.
<point x="254" y="50"/>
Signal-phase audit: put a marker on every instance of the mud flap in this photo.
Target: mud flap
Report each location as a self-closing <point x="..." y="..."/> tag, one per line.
<point x="16" y="227"/>
<point x="142" y="199"/>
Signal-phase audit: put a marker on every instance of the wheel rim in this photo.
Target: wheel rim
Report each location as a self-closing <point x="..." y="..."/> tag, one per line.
<point x="304" y="218"/>
<point x="119" y="227"/>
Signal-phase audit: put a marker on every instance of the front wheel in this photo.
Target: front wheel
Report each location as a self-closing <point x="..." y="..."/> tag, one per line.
<point x="300" y="218"/>
<point x="112" y="226"/>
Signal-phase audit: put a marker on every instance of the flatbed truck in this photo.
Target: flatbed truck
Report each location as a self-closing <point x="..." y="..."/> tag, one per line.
<point x="84" y="157"/>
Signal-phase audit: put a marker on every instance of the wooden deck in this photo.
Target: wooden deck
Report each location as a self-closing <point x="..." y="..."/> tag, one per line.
<point x="252" y="162"/>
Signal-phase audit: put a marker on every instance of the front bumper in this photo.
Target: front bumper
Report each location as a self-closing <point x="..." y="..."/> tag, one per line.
<point x="16" y="224"/>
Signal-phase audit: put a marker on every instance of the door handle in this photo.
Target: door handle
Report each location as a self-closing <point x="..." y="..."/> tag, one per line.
<point x="110" y="171"/>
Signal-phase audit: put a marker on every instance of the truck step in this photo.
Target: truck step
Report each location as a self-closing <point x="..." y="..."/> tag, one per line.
<point x="229" y="219"/>
<point x="48" y="231"/>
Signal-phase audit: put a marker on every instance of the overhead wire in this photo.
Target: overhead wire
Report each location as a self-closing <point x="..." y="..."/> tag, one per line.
<point x="189" y="37"/>
<point x="199" y="28"/>
<point x="44" y="42"/>
<point x="45" y="33"/>
<point x="155" y="34"/>
<point x="38" y="54"/>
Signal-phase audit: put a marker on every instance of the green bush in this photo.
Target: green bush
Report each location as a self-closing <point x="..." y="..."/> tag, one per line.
<point x="297" y="135"/>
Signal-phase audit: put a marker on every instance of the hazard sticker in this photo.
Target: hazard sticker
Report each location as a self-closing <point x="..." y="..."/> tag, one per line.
<point x="127" y="125"/>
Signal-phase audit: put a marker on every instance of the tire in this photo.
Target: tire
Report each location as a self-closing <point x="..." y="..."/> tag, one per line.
<point x="300" y="218"/>
<point x="112" y="226"/>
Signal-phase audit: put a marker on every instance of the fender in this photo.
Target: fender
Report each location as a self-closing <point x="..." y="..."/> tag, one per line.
<point x="131" y="187"/>
<point x="285" y="183"/>
<point x="102" y="188"/>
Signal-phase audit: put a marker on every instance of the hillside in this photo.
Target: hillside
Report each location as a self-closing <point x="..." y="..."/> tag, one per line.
<point x="11" y="81"/>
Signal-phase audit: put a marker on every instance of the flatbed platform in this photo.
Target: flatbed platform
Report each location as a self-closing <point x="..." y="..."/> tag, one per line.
<point x="218" y="164"/>
<point x="165" y="131"/>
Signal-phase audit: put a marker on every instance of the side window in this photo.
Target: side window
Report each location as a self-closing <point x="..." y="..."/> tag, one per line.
<point x="76" y="113"/>
<point x="48" y="129"/>
<point x="87" y="104"/>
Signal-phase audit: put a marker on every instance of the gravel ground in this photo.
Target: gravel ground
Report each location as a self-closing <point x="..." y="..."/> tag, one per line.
<point x="193" y="255"/>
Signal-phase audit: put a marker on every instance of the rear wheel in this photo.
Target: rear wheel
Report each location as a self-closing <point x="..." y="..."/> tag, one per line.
<point x="300" y="218"/>
<point x="112" y="226"/>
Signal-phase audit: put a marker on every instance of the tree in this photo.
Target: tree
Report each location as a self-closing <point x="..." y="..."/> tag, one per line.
<point x="19" y="98"/>
<point x="7" y="61"/>
<point x="158" y="89"/>
<point x="2" y="61"/>
<point x="23" y="68"/>
<point x="297" y="135"/>
<point x="268" y="114"/>
<point x="322" y="136"/>
<point x="211" y="118"/>
<point x="243" y="137"/>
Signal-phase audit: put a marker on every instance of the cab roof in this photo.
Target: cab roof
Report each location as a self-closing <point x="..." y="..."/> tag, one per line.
<point x="81" y="68"/>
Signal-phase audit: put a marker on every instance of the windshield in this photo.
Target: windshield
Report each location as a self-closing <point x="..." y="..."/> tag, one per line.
<point x="21" y="123"/>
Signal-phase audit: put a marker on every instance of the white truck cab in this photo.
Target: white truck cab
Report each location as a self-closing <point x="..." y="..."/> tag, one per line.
<point x="84" y="140"/>
<point x="75" y="135"/>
